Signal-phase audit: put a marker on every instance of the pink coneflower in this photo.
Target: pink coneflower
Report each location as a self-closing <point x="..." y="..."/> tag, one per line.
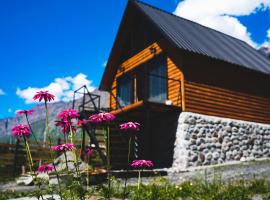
<point x="89" y="152"/>
<point x="45" y="168"/>
<point x="26" y="112"/>
<point x="102" y="117"/>
<point x="142" y="164"/>
<point x="65" y="126"/>
<point x="63" y="147"/>
<point x="68" y="114"/>
<point x="130" y="126"/>
<point x="43" y="95"/>
<point x="21" y="130"/>
<point x="80" y="123"/>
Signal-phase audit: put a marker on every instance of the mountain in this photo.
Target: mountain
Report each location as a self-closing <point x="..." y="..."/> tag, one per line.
<point x="265" y="51"/>
<point x="37" y="119"/>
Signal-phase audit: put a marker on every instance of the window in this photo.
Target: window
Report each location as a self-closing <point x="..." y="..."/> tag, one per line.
<point x="158" y="80"/>
<point x="139" y="81"/>
<point x="124" y="90"/>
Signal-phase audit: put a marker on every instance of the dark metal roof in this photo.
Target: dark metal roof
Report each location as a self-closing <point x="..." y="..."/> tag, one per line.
<point x="199" y="39"/>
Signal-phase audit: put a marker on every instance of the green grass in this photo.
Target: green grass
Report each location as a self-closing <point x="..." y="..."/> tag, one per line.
<point x="161" y="189"/>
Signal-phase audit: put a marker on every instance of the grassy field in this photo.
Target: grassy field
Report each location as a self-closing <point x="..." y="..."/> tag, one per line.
<point x="161" y="189"/>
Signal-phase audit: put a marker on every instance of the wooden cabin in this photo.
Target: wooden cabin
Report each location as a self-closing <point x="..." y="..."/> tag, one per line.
<point x="161" y="65"/>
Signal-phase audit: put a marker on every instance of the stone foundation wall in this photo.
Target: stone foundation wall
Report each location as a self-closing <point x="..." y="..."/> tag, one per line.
<point x="207" y="140"/>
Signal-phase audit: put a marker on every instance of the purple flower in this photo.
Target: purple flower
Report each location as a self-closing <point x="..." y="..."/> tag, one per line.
<point x="80" y="123"/>
<point x="45" y="168"/>
<point x="89" y="152"/>
<point x="26" y="112"/>
<point x="63" y="147"/>
<point x="20" y="130"/>
<point x="43" y="95"/>
<point x="142" y="164"/>
<point x="65" y="126"/>
<point x="68" y="114"/>
<point x="130" y="126"/>
<point x="102" y="117"/>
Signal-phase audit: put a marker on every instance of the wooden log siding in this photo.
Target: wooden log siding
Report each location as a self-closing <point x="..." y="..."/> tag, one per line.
<point x="138" y="59"/>
<point x="174" y="86"/>
<point x="210" y="100"/>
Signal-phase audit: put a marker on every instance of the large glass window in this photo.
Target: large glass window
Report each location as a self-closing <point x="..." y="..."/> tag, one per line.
<point x="124" y="90"/>
<point x="158" y="80"/>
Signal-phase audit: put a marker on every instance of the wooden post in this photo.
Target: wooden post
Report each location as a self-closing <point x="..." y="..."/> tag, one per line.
<point x="183" y="92"/>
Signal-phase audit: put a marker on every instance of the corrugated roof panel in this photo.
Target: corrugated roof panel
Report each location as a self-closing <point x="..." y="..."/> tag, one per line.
<point x="199" y="39"/>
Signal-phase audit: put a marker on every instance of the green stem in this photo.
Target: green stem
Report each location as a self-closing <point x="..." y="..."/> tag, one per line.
<point x="40" y="193"/>
<point x="74" y="151"/>
<point x="108" y="148"/>
<point x="30" y="162"/>
<point x="47" y="131"/>
<point x="108" y="161"/>
<point x="87" y="171"/>
<point x="71" y="135"/>
<point x="66" y="159"/>
<point x="75" y="157"/>
<point x="139" y="180"/>
<point x="66" y="138"/>
<point x="32" y="132"/>
<point x="47" y="125"/>
<point x="28" y="154"/>
<point x="129" y="145"/>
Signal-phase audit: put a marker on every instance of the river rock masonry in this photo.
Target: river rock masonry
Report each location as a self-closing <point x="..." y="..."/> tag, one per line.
<point x="206" y="140"/>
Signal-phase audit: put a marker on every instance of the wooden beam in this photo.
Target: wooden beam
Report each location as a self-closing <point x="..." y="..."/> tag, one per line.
<point x="183" y="92"/>
<point x="128" y="107"/>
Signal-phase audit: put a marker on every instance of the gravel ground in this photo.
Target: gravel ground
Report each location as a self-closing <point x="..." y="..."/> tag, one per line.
<point x="232" y="171"/>
<point x="227" y="172"/>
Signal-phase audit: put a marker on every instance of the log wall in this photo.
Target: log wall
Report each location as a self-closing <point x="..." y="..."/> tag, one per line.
<point x="198" y="97"/>
<point x="138" y="59"/>
<point x="175" y="76"/>
<point x="210" y="100"/>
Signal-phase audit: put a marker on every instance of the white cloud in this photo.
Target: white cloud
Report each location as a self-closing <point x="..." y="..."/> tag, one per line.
<point x="268" y="33"/>
<point x="9" y="110"/>
<point x="267" y="41"/>
<point x="221" y="14"/>
<point x="62" y="88"/>
<point x="2" y="92"/>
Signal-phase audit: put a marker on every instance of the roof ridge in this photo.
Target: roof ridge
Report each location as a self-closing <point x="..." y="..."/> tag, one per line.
<point x="182" y="18"/>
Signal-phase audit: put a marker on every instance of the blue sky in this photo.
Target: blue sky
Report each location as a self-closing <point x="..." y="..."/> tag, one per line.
<point x="60" y="44"/>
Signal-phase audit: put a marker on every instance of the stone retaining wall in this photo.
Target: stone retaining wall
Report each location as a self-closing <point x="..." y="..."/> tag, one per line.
<point x="207" y="140"/>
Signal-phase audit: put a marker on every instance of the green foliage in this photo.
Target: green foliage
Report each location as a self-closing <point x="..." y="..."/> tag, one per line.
<point x="161" y="189"/>
<point x="103" y="192"/>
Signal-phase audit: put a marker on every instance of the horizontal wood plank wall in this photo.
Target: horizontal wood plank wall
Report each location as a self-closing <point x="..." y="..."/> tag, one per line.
<point x="174" y="86"/>
<point x="210" y="100"/>
<point x="130" y="64"/>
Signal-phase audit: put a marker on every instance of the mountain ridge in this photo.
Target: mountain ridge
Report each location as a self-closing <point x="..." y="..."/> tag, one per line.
<point x="264" y="50"/>
<point x="37" y="119"/>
